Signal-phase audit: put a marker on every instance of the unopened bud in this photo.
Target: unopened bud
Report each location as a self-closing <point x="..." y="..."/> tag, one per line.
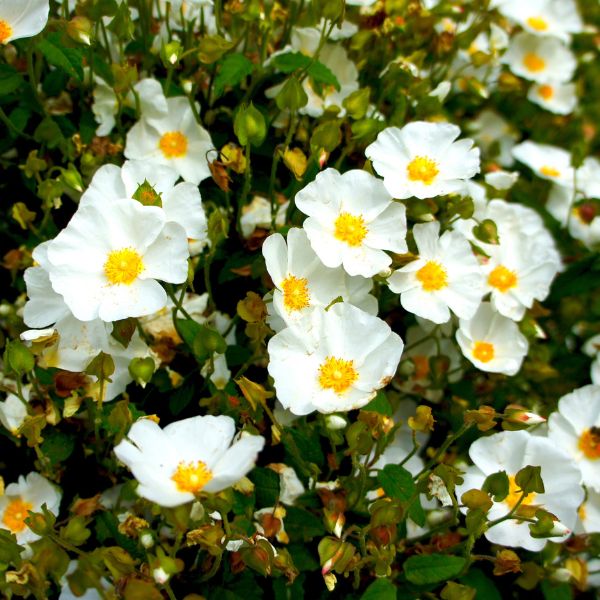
<point x="79" y="29"/>
<point x="170" y="53"/>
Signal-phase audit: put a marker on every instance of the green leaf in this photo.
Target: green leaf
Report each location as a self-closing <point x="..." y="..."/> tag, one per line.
<point x="308" y="447"/>
<point x="57" y="446"/>
<point x="10" y="80"/>
<point x="396" y="482"/>
<point x="380" y="589"/>
<point x="291" y="61"/>
<point x="234" y="69"/>
<point x="48" y="132"/>
<point x="417" y="514"/>
<point x="380" y="404"/>
<point x="266" y="486"/>
<point x="302" y="525"/>
<point x="432" y="568"/>
<point x="180" y="398"/>
<point x="551" y="591"/>
<point x="486" y="589"/>
<point x="69" y="60"/>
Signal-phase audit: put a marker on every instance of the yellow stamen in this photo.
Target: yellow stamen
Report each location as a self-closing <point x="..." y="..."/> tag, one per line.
<point x="295" y="293"/>
<point x="533" y="62"/>
<point x="350" y="229"/>
<point x="483" y="351"/>
<point x="582" y="512"/>
<point x="546" y="91"/>
<point x="514" y="493"/>
<point x="337" y="374"/>
<point x="502" y="279"/>
<point x="15" y="514"/>
<point x="589" y="443"/>
<point x="5" y="31"/>
<point x="123" y="266"/>
<point x="191" y="476"/>
<point x="173" y="144"/>
<point x="537" y="23"/>
<point x="549" y="171"/>
<point x="422" y="168"/>
<point x="433" y="276"/>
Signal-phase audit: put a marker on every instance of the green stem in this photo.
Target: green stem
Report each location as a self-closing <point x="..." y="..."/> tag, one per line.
<point x="442" y="450"/>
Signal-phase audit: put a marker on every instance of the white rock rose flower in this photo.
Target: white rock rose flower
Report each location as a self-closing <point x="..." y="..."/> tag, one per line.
<point x="107" y="261"/>
<point x="510" y="451"/>
<point x="333" y="360"/>
<point x="446" y="276"/>
<point x="351" y="221"/>
<point x="174" y="464"/>
<point x="22" y="19"/>
<point x="492" y="342"/>
<point x="28" y="494"/>
<point x="423" y="159"/>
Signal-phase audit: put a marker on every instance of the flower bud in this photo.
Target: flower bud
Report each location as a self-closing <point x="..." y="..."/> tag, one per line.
<point x="170" y="53"/>
<point x="249" y="126"/>
<point x="142" y="369"/>
<point x="18" y="357"/>
<point x="79" y="29"/>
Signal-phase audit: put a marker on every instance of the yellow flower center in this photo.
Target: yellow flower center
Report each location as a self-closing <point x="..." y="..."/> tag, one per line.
<point x="191" y="476"/>
<point x="537" y="23"/>
<point x="173" y="144"/>
<point x="337" y="374"/>
<point x="502" y="279"/>
<point x="123" y="266"/>
<point x="433" y="276"/>
<point x="15" y="514"/>
<point x="589" y="443"/>
<point x="483" y="351"/>
<point x="350" y="229"/>
<point x="533" y="62"/>
<point x="5" y="31"/>
<point x="422" y="168"/>
<point x="546" y="91"/>
<point x="295" y="293"/>
<point x="514" y="493"/>
<point x="549" y="171"/>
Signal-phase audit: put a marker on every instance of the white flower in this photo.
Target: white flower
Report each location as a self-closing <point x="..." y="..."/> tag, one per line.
<point x="174" y="464"/>
<point x="501" y="180"/>
<point x="548" y="162"/>
<point x="492" y="342"/>
<point x="168" y="134"/>
<point x="558" y="98"/>
<point x="333" y="360"/>
<point x="423" y="159"/>
<point x="180" y="202"/>
<point x="22" y="19"/>
<point x="28" y="494"/>
<point x="589" y="514"/>
<point x="556" y="18"/>
<point x="258" y="214"/>
<point x="510" y="451"/>
<point x="519" y="271"/>
<point x="13" y="410"/>
<point x="303" y="282"/>
<point x="352" y="220"/>
<point x="575" y="428"/>
<point x="107" y="260"/>
<point x="541" y="59"/>
<point x="445" y="277"/>
<point x="491" y="132"/>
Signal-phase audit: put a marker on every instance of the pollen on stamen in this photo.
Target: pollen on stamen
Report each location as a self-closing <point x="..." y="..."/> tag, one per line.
<point x="122" y="267"/>
<point x="350" y="229"/>
<point x="5" y="31"/>
<point x="546" y="91"/>
<point x="549" y="171"/>
<point x="502" y="279"/>
<point x="422" y="168"/>
<point x="15" y="514"/>
<point x="295" y="293"/>
<point x="515" y="493"/>
<point x="191" y="476"/>
<point x="589" y="443"/>
<point x="483" y="351"/>
<point x="337" y="374"/>
<point x="173" y="144"/>
<point x="433" y="276"/>
<point x="537" y="23"/>
<point x="533" y="62"/>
